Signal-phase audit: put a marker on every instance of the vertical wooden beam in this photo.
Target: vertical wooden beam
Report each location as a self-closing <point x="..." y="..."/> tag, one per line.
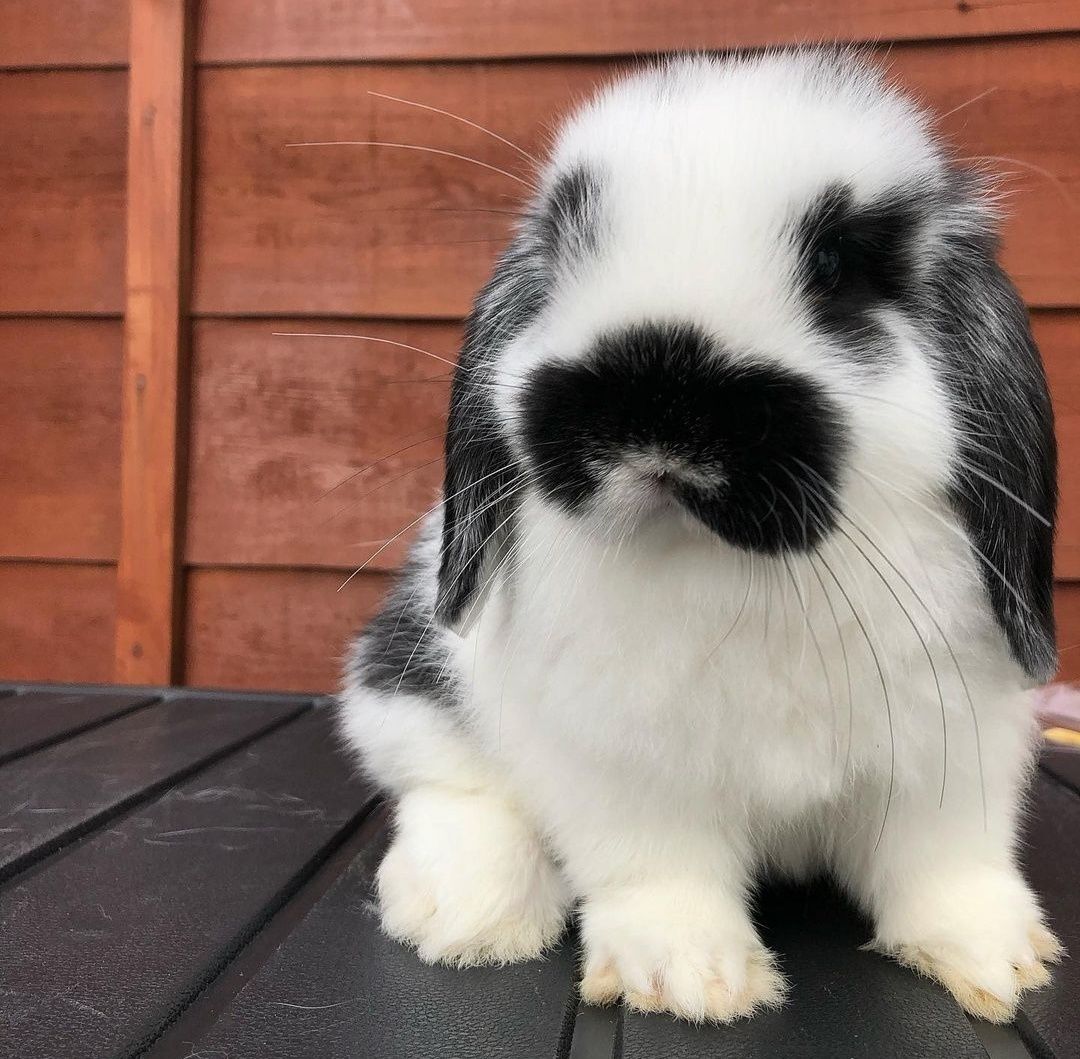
<point x="148" y="606"/>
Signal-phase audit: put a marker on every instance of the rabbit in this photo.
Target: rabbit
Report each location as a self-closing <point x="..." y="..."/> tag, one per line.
<point x="742" y="567"/>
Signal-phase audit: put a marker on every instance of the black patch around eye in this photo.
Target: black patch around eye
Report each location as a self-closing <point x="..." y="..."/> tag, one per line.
<point x="855" y="258"/>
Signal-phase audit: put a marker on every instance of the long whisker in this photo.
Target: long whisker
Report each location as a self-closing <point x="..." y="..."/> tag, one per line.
<point x="907" y="614"/>
<point x="974" y="99"/>
<point x="884" y="692"/>
<point x="364" y="338"/>
<point x="375" y="463"/>
<point x="956" y="531"/>
<point x="479" y="548"/>
<point x="416" y="147"/>
<point x="990" y="480"/>
<point x="382" y="485"/>
<point x="1039" y="170"/>
<point x="405" y="529"/>
<point x="847" y="664"/>
<point x="396" y="344"/>
<point x="955" y="661"/>
<point x="464" y="121"/>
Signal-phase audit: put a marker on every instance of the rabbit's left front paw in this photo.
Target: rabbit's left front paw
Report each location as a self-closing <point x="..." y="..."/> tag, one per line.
<point x="668" y="948"/>
<point x="981" y="936"/>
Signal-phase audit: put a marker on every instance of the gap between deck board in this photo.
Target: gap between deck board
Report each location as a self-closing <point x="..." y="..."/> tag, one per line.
<point x="179" y="1038"/>
<point x="48" y="851"/>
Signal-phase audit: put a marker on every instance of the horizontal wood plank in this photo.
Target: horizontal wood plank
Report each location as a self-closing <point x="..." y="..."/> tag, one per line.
<point x="56" y="621"/>
<point x="294" y="447"/>
<point x="288" y="629"/>
<point x="285" y="431"/>
<point x="1027" y="131"/>
<point x="63" y="173"/>
<point x="280" y="629"/>
<point x="261" y="30"/>
<point x="60" y="446"/>
<point x="387" y="232"/>
<point x="1067" y="607"/>
<point x="1058" y="336"/>
<point x="63" y="33"/>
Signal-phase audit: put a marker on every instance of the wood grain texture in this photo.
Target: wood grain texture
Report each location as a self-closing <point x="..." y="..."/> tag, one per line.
<point x="1067" y="608"/>
<point x="62" y="171"/>
<point x="56" y="621"/>
<point x="1058" y="336"/>
<point x="60" y="446"/>
<point x="287" y="630"/>
<point x="154" y="376"/>
<point x="274" y="629"/>
<point x="258" y="30"/>
<point x="277" y="423"/>
<point x="386" y="232"/>
<point x="63" y="33"/>
<point x="282" y="426"/>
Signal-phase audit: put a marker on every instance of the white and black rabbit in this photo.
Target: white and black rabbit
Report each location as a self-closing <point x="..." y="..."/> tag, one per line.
<point x="743" y="561"/>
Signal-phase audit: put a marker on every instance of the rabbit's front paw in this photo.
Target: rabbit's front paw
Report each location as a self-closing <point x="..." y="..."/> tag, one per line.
<point x="688" y="951"/>
<point x="466" y="881"/>
<point x="979" y="934"/>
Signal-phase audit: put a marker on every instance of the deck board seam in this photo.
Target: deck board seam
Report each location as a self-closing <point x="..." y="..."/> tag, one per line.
<point x="60" y="845"/>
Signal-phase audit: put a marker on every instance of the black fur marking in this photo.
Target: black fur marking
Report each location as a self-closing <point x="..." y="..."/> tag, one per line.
<point x="403" y="647"/>
<point x="870" y="248"/>
<point x="738" y="438"/>
<point x="567" y="223"/>
<point x="483" y="478"/>
<point x="997" y="386"/>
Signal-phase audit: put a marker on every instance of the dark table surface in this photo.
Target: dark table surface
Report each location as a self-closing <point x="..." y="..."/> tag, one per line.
<point x="188" y="875"/>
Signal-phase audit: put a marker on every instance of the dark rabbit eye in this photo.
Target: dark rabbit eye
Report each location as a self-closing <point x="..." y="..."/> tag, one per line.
<point x="826" y="265"/>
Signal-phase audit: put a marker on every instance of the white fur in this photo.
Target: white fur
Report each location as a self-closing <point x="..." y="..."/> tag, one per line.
<point x="672" y="715"/>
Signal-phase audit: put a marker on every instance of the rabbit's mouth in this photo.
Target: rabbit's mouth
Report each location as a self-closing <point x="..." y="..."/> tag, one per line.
<point x="659" y="417"/>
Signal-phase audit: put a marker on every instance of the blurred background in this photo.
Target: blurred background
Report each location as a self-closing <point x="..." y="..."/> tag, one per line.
<point x="183" y="494"/>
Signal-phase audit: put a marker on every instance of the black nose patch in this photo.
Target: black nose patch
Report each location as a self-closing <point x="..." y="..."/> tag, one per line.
<point x="765" y="445"/>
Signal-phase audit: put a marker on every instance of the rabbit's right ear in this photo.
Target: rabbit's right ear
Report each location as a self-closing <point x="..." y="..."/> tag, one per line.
<point x="484" y="478"/>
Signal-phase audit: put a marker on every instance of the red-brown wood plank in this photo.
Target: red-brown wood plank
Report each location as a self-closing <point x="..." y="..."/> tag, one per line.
<point x="60" y="443"/>
<point x="63" y="33"/>
<point x="260" y="30"/>
<point x="294" y="444"/>
<point x="1058" y="336"/>
<point x="62" y="175"/>
<point x="1067" y="606"/>
<point x="56" y="621"/>
<point x="274" y="629"/>
<point x="154" y="376"/>
<point x="385" y="232"/>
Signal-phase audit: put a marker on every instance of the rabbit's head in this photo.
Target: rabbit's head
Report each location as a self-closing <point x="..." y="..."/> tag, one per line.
<point x="745" y="285"/>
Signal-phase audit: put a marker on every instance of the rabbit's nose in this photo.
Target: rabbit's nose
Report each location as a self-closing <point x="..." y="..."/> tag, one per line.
<point x="668" y="470"/>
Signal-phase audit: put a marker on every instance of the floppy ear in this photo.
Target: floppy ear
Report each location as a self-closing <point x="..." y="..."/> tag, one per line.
<point x="1005" y="482"/>
<point x="483" y="479"/>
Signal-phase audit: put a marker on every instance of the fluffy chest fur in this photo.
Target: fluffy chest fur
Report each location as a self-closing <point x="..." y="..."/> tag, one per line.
<point x="676" y="661"/>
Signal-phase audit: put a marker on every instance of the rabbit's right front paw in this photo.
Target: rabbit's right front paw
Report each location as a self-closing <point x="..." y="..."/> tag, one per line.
<point x="687" y="951"/>
<point x="467" y="881"/>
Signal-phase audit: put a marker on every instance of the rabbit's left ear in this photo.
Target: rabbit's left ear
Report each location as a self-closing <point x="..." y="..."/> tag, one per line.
<point x="1005" y="482"/>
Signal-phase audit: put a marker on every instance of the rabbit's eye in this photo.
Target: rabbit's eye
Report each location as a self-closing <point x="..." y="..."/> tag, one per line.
<point x="827" y="265"/>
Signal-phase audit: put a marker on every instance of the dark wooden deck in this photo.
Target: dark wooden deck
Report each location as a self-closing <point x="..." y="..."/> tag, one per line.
<point x="188" y="875"/>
